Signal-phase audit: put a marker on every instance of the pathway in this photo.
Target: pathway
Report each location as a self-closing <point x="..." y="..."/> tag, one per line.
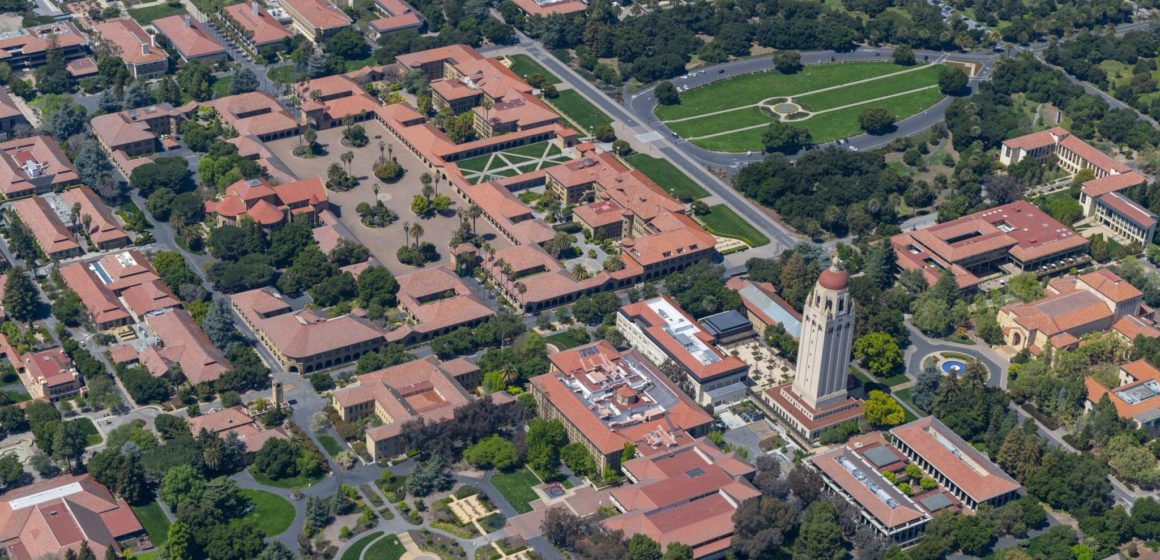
<point x="814" y="113"/>
<point x="806" y="93"/>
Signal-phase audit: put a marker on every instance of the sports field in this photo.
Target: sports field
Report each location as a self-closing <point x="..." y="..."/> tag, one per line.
<point x="731" y="115"/>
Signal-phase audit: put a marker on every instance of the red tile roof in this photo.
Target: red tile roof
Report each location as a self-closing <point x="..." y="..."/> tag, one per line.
<point x="37" y="39"/>
<point x="302" y="334"/>
<point x="544" y="9"/>
<point x="417" y="389"/>
<point x="321" y="14"/>
<point x="261" y="28"/>
<point x="103" y="229"/>
<point x="711" y="364"/>
<point x="1113" y="183"/>
<point x="58" y="514"/>
<point x="1141" y="374"/>
<point x="101" y="304"/>
<point x="834" y="465"/>
<point x="438" y="299"/>
<point x="131" y="41"/>
<point x="235" y="420"/>
<point x="189" y="36"/>
<point x="182" y="342"/>
<point x="956" y="459"/>
<point x="33" y="163"/>
<point x="50" y="233"/>
<point x="1129" y="209"/>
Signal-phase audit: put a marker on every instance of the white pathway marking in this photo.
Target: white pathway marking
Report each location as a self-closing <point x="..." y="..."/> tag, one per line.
<point x="803" y="94"/>
<point x="515" y="162"/>
<point x="756" y="126"/>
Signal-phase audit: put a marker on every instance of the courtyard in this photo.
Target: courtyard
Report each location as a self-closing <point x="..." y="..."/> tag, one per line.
<point x="515" y="161"/>
<point x="731" y="115"/>
<point x="382" y="242"/>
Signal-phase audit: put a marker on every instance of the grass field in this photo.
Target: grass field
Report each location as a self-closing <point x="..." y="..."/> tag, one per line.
<point x="272" y="513"/>
<point x="580" y="110"/>
<point x="510" y="163"/>
<point x="221" y="86"/>
<point x="564" y="340"/>
<point x="296" y="482"/>
<point x="908" y="90"/>
<point x="724" y="222"/>
<point x="524" y="65"/>
<point x="355" y="550"/>
<point x="516" y="488"/>
<point x="387" y="548"/>
<point x="154" y="522"/>
<point x="332" y="447"/>
<point x="281" y="74"/>
<point x="667" y="176"/>
<point x="146" y="15"/>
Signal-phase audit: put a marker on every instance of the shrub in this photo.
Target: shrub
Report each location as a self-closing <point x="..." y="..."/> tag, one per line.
<point x="389" y="172"/>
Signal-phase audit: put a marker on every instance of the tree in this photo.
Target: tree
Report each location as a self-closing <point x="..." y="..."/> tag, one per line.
<point x="21" y="297"/>
<point x="578" y="460"/>
<point x="196" y="78"/>
<point x="903" y="55"/>
<point x="414" y="81"/>
<point x="492" y="452"/>
<point x="974" y="534"/>
<point x="244" y="81"/>
<point x="11" y="473"/>
<point x="182" y="485"/>
<point x="277" y="459"/>
<point x="544" y="439"/>
<point x="69" y="442"/>
<point x="678" y="551"/>
<point x="218" y="324"/>
<point x="1002" y="189"/>
<point x="666" y="93"/>
<point x="761" y="526"/>
<point x="952" y="81"/>
<point x="53" y="76"/>
<point x="1025" y="286"/>
<point x="604" y="133"/>
<point x="879" y="353"/>
<point x="179" y="545"/>
<point x="93" y="167"/>
<point x="877" y="120"/>
<point x="65" y="122"/>
<point x="136" y="96"/>
<point x="562" y="528"/>
<point x="785" y="138"/>
<point x="1074" y="482"/>
<point x="641" y="547"/>
<point x="348" y="44"/>
<point x="788" y="62"/>
<point x="1146" y="518"/>
<point x="882" y="411"/>
<point x="819" y="537"/>
<point x="108" y="102"/>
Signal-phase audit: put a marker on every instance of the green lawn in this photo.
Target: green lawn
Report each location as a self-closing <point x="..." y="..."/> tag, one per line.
<point x="92" y="436"/>
<point x="927" y="76"/>
<point x="667" y="176"/>
<point x="272" y="513"/>
<point x="523" y="159"/>
<point x="387" y="548"/>
<point x="355" y="550"/>
<point x="281" y="74"/>
<point x="564" y="340"/>
<point x="145" y="16"/>
<point x="332" y="447"/>
<point x="723" y="221"/>
<point x="580" y="110"/>
<point x="154" y="522"/>
<point x="904" y="395"/>
<point x="516" y="488"/>
<point x="221" y="86"/>
<point x="524" y="65"/>
<point x="296" y="482"/>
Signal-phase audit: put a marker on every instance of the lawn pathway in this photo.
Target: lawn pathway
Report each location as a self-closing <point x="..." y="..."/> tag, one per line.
<point x="806" y="93"/>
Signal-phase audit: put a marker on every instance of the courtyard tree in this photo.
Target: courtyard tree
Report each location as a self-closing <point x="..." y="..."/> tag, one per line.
<point x="21" y="298"/>
<point x="244" y="81"/>
<point x="882" y="411"/>
<point x="879" y="353"/>
<point x="1025" y="286"/>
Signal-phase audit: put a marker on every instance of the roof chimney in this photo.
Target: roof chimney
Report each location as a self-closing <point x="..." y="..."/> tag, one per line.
<point x="254" y="8"/>
<point x="186" y="19"/>
<point x="144" y="48"/>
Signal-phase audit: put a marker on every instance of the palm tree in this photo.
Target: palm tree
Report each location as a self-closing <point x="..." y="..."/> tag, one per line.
<point x="428" y="192"/>
<point x="406" y="233"/>
<point x="425" y="179"/>
<point x="391" y="151"/>
<point x="437" y="177"/>
<point x="347" y="157"/>
<point x="417" y="233"/>
<point x="382" y="149"/>
<point x="475" y="211"/>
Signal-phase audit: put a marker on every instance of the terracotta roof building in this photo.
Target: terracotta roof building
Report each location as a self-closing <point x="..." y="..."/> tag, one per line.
<point x="425" y="388"/>
<point x="11" y="118"/>
<point x="269" y="205"/>
<point x="51" y="235"/>
<point x="956" y="465"/>
<point x="118" y="288"/>
<point x="254" y="29"/>
<point x="256" y="114"/>
<point x="57" y="515"/>
<point x="190" y="38"/>
<point x="315" y="19"/>
<point x="1073" y="307"/>
<point x="608" y="399"/>
<point x="461" y="78"/>
<point x="1071" y="153"/>
<point x="137" y="49"/>
<point x="1134" y="397"/>
<point x="134" y="132"/>
<point x="853" y="471"/>
<point x="177" y="349"/>
<point x="978" y="244"/>
<point x="545" y="8"/>
<point x="305" y="341"/>
<point x="397" y="16"/>
<point x="330" y="100"/>
<point x="96" y="221"/>
<point x="27" y="48"/>
<point x="46" y="374"/>
<point x="765" y="308"/>
<point x="236" y="421"/>
<point x="34" y="165"/>
<point x="662" y="331"/>
<point x="685" y="496"/>
<point x="437" y="301"/>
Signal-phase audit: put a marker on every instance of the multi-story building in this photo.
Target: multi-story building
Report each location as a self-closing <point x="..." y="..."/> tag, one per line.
<point x="176" y="349"/>
<point x="545" y="8"/>
<point x="424" y="389"/>
<point x="436" y="301"/>
<point x="764" y="308"/>
<point x="190" y="39"/>
<point x="34" y="165"/>
<point x="608" y="400"/>
<point x="397" y="16"/>
<point x="305" y="341"/>
<point x="28" y="47"/>
<point x="269" y="205"/>
<point x="663" y="332"/>
<point x="1134" y="397"/>
<point x="118" y="289"/>
<point x="237" y="421"/>
<point x="94" y="219"/>
<point x="1098" y="301"/>
<point x="46" y="374"/>
<point x="1102" y="199"/>
<point x="254" y="29"/>
<point x="137" y="49"/>
<point x="54" y="517"/>
<point x="316" y="20"/>
<point x="817" y="399"/>
<point x="968" y="475"/>
<point x="255" y="114"/>
<point x="134" y="133"/>
<point x="330" y="101"/>
<point x="51" y="235"/>
<point x="977" y="245"/>
<point x="12" y="120"/>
